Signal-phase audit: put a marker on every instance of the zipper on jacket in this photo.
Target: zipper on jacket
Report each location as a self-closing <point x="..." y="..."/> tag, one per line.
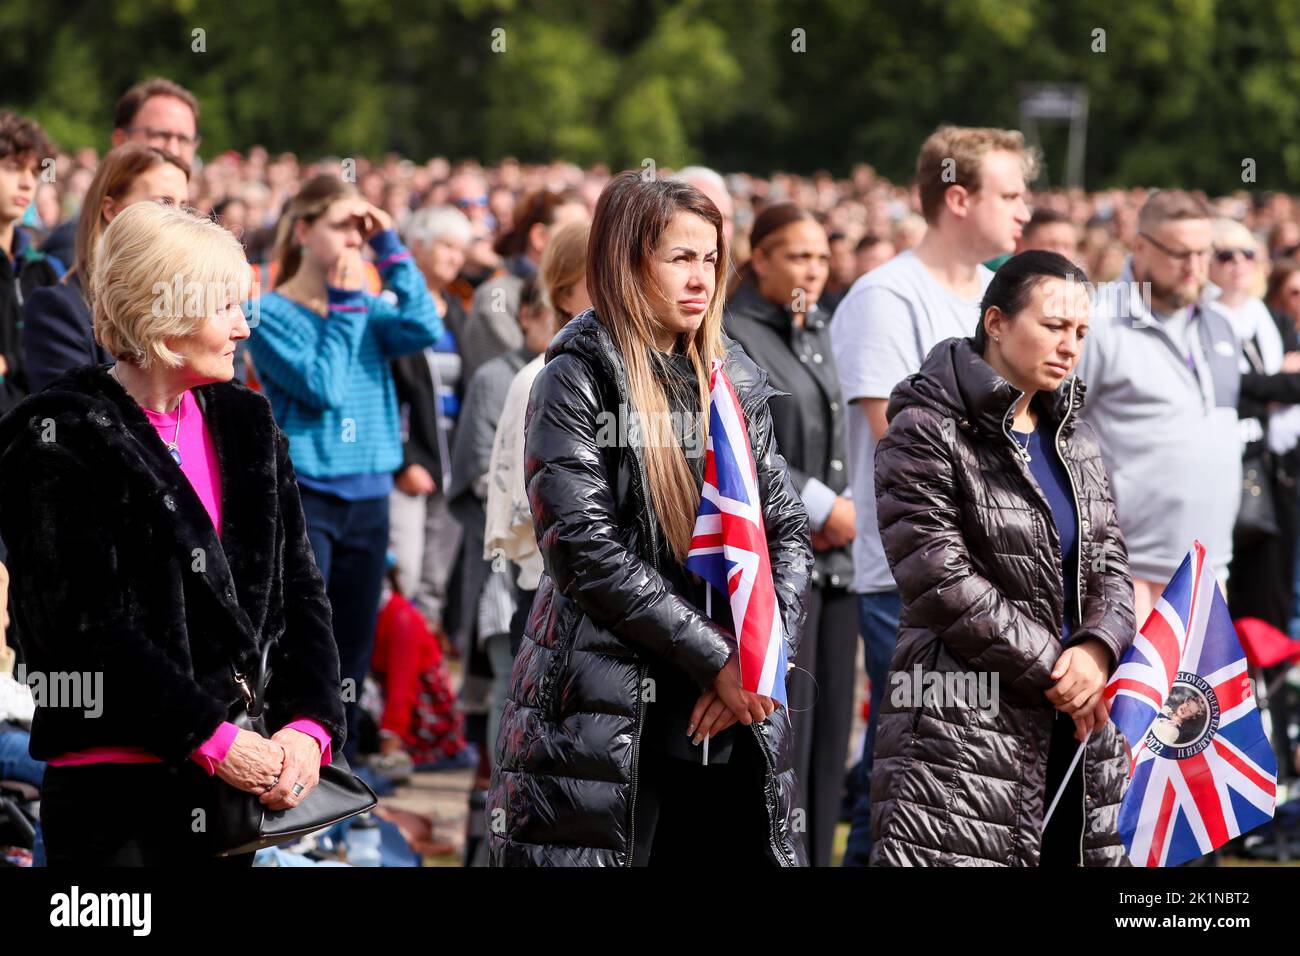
<point x="1007" y="419"/>
<point x="636" y="759"/>
<point x="1078" y="510"/>
<point x="1023" y="455"/>
<point x="770" y="796"/>
<point x="1083" y="781"/>
<point x="1078" y="595"/>
<point x="771" y="799"/>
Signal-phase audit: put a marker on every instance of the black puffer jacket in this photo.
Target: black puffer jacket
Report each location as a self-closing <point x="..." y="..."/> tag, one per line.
<point x="975" y="551"/>
<point x="565" y="779"/>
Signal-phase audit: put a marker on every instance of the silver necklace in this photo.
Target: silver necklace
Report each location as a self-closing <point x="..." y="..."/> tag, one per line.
<point x="173" y="446"/>
<point x="1023" y="449"/>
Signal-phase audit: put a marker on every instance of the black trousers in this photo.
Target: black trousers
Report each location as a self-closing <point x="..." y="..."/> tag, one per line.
<point x="820" y="692"/>
<point x="128" y="815"/>
<point x="1063" y="835"/>
<point x="688" y="814"/>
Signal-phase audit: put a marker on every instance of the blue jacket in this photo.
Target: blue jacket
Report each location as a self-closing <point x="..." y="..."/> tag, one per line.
<point x="57" y="333"/>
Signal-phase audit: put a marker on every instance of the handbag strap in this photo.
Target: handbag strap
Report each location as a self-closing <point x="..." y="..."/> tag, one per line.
<point x="254" y="690"/>
<point x="1250" y="348"/>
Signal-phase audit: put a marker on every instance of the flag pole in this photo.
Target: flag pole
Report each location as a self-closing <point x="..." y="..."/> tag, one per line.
<point x="1069" y="773"/>
<point x="708" y="610"/>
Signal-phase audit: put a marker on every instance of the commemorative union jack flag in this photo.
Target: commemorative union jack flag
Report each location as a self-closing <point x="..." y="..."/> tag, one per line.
<point x="1201" y="768"/>
<point x="729" y="549"/>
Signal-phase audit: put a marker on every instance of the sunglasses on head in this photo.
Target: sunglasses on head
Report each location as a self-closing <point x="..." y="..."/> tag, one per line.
<point x="1224" y="256"/>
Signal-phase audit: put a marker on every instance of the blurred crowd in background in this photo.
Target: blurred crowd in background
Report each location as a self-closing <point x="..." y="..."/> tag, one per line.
<point x="479" y="234"/>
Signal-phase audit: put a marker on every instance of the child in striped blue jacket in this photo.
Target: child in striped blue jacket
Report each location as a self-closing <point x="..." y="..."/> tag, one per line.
<point x="321" y="346"/>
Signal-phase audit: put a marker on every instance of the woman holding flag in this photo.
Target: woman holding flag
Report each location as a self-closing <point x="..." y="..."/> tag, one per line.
<point x="632" y="667"/>
<point x="996" y="515"/>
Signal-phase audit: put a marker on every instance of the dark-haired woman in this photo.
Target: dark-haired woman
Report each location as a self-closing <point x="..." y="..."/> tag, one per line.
<point x="622" y="674"/>
<point x="322" y="349"/>
<point x="774" y="314"/>
<point x="997" y="519"/>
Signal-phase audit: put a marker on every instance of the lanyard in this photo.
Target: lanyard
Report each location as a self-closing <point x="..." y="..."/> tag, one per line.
<point x="1190" y="354"/>
<point x="1204" y="382"/>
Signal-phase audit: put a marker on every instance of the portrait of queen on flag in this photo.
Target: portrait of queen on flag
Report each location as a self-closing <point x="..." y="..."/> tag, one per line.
<point x="1201" y="768"/>
<point x="729" y="548"/>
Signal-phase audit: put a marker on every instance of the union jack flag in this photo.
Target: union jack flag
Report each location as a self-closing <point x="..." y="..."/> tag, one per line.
<point x="1201" y="768"/>
<point x="729" y="549"/>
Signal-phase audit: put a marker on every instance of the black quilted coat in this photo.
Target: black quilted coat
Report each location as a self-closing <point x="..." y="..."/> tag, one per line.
<point x="972" y="544"/>
<point x="564" y="785"/>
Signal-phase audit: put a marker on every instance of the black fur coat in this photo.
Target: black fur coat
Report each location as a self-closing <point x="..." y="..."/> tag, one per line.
<point x="118" y="571"/>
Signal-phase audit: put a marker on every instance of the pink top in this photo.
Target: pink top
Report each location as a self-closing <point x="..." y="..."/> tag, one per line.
<point x="210" y="753"/>
<point x="198" y="453"/>
<point x="200" y="466"/>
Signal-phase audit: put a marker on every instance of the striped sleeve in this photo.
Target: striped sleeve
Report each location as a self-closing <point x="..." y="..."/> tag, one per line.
<point x="412" y="323"/>
<point x="311" y="368"/>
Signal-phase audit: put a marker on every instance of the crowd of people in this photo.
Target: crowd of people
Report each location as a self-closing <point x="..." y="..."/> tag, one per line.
<point x="423" y="336"/>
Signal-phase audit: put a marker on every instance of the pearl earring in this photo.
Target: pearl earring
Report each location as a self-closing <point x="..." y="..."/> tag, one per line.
<point x="996" y="339"/>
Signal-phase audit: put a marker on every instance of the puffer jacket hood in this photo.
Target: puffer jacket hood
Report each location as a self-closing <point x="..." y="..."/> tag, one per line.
<point x="564" y="782"/>
<point x="974" y="548"/>
<point x="955" y="381"/>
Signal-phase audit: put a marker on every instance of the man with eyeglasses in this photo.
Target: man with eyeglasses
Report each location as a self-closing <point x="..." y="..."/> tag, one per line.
<point x="156" y="111"/>
<point x="1163" y="380"/>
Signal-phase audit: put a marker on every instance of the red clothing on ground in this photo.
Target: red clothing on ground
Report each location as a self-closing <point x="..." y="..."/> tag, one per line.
<point x="419" y="705"/>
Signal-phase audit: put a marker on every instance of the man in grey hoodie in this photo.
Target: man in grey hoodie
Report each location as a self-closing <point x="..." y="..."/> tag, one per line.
<point x="1162" y="375"/>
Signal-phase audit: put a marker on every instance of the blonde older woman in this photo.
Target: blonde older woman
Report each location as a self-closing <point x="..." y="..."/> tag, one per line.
<point x="157" y="543"/>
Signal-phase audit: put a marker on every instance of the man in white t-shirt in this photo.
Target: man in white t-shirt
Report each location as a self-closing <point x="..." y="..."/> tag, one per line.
<point x="973" y="196"/>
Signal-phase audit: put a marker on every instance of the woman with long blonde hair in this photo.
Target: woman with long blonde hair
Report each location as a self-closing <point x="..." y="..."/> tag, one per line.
<point x="622" y="674"/>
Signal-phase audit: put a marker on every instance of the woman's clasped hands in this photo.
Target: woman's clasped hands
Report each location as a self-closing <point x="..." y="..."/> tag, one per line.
<point x="726" y="703"/>
<point x="282" y="770"/>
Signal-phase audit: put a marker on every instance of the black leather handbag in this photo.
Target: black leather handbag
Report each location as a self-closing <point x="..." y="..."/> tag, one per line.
<point x="1257" y="515"/>
<point x="237" y="820"/>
